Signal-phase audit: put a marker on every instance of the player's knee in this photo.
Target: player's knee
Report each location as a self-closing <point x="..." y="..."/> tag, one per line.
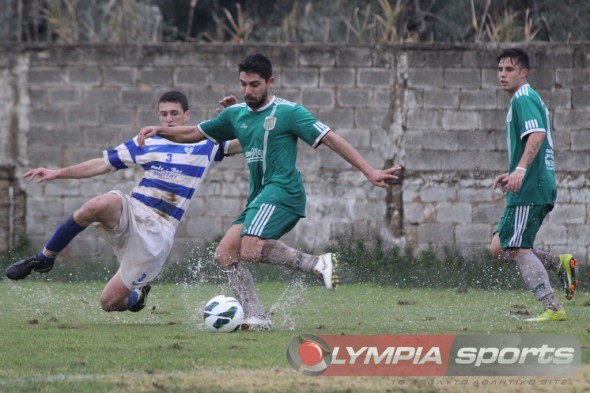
<point x="91" y="209"/>
<point x="497" y="252"/>
<point x="109" y="303"/>
<point x="224" y="257"/>
<point x="251" y="249"/>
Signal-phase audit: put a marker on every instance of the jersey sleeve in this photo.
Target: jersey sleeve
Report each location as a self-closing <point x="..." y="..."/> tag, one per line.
<point x="122" y="156"/>
<point x="307" y="127"/>
<point x="220" y="128"/>
<point x="221" y="151"/>
<point x="529" y="116"/>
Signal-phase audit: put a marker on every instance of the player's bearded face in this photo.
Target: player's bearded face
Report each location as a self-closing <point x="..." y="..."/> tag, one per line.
<point x="255" y="89"/>
<point x="256" y="101"/>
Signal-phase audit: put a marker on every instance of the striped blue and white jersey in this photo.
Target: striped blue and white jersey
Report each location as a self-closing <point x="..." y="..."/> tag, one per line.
<point x="172" y="171"/>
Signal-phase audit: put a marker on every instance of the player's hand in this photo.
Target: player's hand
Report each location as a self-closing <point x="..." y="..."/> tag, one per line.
<point x="44" y="174"/>
<point x="514" y="181"/>
<point x="501" y="182"/>
<point x="225" y="102"/>
<point x="146" y="132"/>
<point x="382" y="178"/>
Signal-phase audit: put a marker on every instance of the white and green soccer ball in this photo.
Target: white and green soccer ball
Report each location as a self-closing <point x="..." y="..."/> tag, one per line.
<point x="223" y="314"/>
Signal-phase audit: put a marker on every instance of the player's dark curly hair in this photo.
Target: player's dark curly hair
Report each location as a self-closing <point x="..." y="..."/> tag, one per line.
<point x="517" y="54"/>
<point x="257" y="64"/>
<point x="175" y="96"/>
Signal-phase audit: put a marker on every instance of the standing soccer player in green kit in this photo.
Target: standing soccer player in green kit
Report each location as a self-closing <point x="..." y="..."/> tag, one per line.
<point x="530" y="188"/>
<point x="268" y="129"/>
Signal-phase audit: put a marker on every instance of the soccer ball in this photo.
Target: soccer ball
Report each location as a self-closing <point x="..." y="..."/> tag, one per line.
<point x="223" y="314"/>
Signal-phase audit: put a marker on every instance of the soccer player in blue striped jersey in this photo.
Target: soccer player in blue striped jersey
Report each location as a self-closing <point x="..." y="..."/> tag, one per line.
<point x="268" y="129"/>
<point x="140" y="226"/>
<point x="530" y="188"/>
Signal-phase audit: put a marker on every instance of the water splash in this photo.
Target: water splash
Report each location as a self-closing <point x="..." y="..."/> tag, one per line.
<point x="284" y="312"/>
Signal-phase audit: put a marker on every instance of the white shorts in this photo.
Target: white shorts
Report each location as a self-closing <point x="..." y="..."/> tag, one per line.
<point x="141" y="241"/>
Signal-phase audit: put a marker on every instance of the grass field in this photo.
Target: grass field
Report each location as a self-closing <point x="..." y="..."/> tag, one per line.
<point x="55" y="338"/>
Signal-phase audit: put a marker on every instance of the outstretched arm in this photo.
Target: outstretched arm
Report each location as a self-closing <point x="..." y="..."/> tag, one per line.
<point x="86" y="169"/>
<point x="349" y="153"/>
<point x="180" y="134"/>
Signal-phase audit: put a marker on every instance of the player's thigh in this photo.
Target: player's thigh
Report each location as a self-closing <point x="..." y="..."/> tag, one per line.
<point x="228" y="249"/>
<point x="520" y="224"/>
<point x="105" y="209"/>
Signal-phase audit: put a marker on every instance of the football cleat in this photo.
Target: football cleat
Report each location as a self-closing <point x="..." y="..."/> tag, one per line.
<point x="141" y="302"/>
<point x="259" y="323"/>
<point x="549" y="316"/>
<point x="567" y="274"/>
<point x="24" y="267"/>
<point x="325" y="269"/>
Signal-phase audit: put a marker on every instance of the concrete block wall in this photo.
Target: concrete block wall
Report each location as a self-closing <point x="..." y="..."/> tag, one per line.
<point x="435" y="109"/>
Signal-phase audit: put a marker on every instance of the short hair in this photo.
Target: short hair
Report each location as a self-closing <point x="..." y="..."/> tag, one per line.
<point x="257" y="64"/>
<point x="175" y="96"/>
<point x="517" y="54"/>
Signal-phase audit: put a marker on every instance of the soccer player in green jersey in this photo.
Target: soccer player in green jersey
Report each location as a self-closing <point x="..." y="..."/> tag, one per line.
<point x="268" y="129"/>
<point x="530" y="188"/>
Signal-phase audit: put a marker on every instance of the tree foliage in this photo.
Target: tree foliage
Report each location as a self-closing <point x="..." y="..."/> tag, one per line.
<point x="297" y="21"/>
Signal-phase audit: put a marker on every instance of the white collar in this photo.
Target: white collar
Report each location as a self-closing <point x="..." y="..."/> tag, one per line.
<point x="272" y="100"/>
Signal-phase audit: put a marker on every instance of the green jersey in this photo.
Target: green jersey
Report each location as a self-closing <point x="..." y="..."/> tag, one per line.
<point x="528" y="114"/>
<point x="269" y="139"/>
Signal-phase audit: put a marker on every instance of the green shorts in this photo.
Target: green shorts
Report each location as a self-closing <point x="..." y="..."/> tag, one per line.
<point x="519" y="225"/>
<point x="266" y="221"/>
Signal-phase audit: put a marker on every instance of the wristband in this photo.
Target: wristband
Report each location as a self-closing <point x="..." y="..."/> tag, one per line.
<point x="519" y="168"/>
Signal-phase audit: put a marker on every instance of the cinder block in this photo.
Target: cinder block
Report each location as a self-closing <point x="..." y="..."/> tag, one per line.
<point x="374" y="77"/>
<point x="461" y="77"/>
<point x="341" y="77"/>
<point x="64" y="96"/>
<point x="43" y="76"/>
<point x="94" y="98"/>
<point x="354" y="56"/>
<point x="430" y="78"/>
<point x="317" y="98"/>
<point x="478" y="99"/>
<point x="120" y="76"/>
<point x="463" y="120"/>
<point x="354" y="98"/>
<point x="134" y="98"/>
<point x="572" y="78"/>
<point x="441" y="98"/>
<point x="317" y="57"/>
<point x="84" y="75"/>
<point x="292" y="77"/>
<point x="436" y="234"/>
<point x="82" y="116"/>
<point x="193" y="76"/>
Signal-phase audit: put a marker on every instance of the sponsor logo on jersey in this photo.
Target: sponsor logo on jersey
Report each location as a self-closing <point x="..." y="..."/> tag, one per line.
<point x="549" y="162"/>
<point x="255" y="154"/>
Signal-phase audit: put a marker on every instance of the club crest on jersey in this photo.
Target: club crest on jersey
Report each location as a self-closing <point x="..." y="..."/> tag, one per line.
<point x="189" y="149"/>
<point x="269" y="123"/>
